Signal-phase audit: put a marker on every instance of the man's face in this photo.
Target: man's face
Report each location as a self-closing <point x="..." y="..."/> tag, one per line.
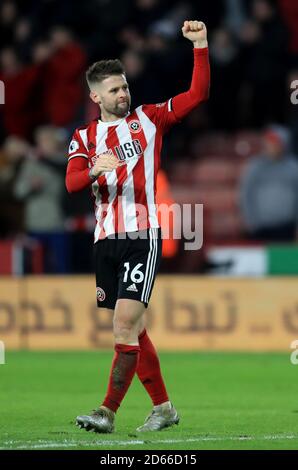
<point x="112" y="94"/>
<point x="273" y="146"/>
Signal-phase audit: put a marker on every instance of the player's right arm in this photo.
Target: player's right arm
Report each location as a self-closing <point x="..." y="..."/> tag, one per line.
<point x="79" y="175"/>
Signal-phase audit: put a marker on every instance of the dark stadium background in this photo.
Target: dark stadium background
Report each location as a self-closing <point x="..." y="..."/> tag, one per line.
<point x="45" y="49"/>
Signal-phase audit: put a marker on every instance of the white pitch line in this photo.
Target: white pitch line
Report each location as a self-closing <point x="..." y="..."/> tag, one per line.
<point x="44" y="444"/>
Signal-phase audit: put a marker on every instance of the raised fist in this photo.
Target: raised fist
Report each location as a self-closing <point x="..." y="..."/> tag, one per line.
<point x="196" y="32"/>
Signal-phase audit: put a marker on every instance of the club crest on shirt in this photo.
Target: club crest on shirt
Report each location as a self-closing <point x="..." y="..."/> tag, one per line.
<point x="73" y="146"/>
<point x="135" y="126"/>
<point x="100" y="294"/>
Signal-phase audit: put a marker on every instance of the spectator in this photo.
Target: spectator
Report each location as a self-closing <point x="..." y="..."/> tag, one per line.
<point x="40" y="185"/>
<point x="23" y="39"/>
<point x="269" y="190"/>
<point x="8" y="16"/>
<point x="144" y="85"/>
<point x="227" y="77"/>
<point x="289" y="10"/>
<point x="19" y="113"/>
<point x="64" y="91"/>
<point x="264" y="54"/>
<point x="11" y="210"/>
<point x="235" y="16"/>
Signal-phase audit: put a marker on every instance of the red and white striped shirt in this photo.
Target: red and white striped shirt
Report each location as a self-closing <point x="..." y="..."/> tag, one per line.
<point x="125" y="197"/>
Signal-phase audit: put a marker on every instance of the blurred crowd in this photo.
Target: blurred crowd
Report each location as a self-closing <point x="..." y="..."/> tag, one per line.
<point x="45" y="48"/>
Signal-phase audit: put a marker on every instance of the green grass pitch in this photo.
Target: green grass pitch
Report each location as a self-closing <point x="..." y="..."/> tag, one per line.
<point x="225" y="400"/>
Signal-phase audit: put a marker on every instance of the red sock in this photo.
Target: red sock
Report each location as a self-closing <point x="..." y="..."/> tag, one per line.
<point x="149" y="372"/>
<point x="124" y="366"/>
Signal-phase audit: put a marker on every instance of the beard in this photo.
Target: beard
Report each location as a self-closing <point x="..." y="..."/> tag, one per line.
<point x="117" y="109"/>
<point x="121" y="109"/>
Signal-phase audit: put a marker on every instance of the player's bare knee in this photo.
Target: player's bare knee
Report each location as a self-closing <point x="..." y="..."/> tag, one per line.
<point x="126" y="330"/>
<point x="125" y="321"/>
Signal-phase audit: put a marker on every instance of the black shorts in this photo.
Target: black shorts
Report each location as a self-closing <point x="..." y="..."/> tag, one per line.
<point x="126" y="268"/>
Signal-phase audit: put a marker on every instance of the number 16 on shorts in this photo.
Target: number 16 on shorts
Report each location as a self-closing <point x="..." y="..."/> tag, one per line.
<point x="135" y="275"/>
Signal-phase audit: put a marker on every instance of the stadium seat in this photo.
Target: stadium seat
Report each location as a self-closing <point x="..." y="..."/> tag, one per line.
<point x="215" y="171"/>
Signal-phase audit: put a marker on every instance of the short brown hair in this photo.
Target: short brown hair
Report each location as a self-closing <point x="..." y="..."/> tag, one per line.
<point x="102" y="69"/>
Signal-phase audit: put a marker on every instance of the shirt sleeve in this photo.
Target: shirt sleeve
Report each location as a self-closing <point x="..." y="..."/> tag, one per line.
<point x="77" y="172"/>
<point x="198" y="91"/>
<point x="77" y="147"/>
<point x="161" y="114"/>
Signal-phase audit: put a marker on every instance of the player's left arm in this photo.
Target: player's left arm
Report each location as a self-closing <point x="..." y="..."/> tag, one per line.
<point x="182" y="104"/>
